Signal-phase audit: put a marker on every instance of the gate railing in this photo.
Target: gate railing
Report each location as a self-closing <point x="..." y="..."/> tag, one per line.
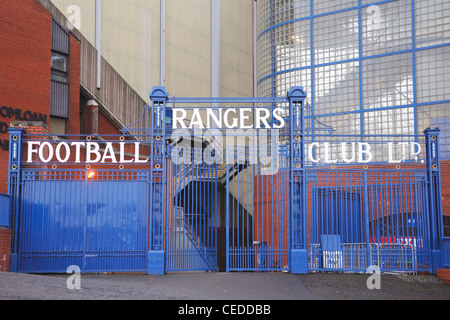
<point x="446" y="252"/>
<point x="409" y="224"/>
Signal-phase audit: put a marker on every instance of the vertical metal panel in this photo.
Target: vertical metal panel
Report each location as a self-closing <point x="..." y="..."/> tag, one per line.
<point x="59" y="102"/>
<point x="117" y="222"/>
<point x="98" y="225"/>
<point x="88" y="65"/>
<point x="5" y="214"/>
<point x="215" y="48"/>
<point x="162" y="45"/>
<point x="98" y="39"/>
<point x="52" y="220"/>
<point x="60" y="38"/>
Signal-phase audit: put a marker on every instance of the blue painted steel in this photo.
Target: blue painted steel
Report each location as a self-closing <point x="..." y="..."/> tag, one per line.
<point x="381" y="236"/>
<point x="117" y="222"/>
<point x="297" y="196"/>
<point x="5" y="214"/>
<point x="158" y="177"/>
<point x="14" y="178"/>
<point x="445" y="252"/>
<point x="258" y="217"/>
<point x="279" y="209"/>
<point x="98" y="224"/>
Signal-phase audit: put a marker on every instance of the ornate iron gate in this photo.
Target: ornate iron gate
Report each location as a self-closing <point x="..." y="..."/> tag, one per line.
<point x="290" y="194"/>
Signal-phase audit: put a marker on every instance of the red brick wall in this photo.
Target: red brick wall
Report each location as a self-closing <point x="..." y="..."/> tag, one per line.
<point x="106" y="127"/>
<point x="5" y="250"/>
<point x="25" y="46"/>
<point x="73" y="124"/>
<point x="444" y="274"/>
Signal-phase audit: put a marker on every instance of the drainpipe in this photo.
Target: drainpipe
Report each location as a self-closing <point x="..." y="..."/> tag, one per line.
<point x="215" y="48"/>
<point x="162" y="81"/>
<point x="98" y="39"/>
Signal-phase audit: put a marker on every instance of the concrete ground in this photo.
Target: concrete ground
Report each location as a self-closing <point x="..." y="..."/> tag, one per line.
<point x="222" y="286"/>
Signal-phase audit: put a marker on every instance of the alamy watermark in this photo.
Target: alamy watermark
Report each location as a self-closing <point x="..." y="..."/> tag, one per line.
<point x="74" y="280"/>
<point x="374" y="281"/>
<point x="73" y="17"/>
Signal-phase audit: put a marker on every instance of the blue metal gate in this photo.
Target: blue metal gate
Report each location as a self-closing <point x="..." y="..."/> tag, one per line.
<point x="97" y="223"/>
<point x="369" y="218"/>
<point x="257" y="213"/>
<point x="270" y="189"/>
<point x="191" y="233"/>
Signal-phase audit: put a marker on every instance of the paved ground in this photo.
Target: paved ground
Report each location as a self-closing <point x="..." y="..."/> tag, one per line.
<point x="222" y="286"/>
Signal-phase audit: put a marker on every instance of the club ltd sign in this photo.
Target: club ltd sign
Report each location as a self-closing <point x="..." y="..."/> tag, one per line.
<point x="116" y="153"/>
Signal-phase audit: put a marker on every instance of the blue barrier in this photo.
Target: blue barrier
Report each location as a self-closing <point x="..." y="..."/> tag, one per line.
<point x="284" y="202"/>
<point x="5" y="205"/>
<point x="445" y="252"/>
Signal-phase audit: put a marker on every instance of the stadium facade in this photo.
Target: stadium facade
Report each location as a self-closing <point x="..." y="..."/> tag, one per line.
<point x="339" y="162"/>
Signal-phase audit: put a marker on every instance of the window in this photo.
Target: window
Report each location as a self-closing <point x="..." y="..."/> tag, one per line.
<point x="57" y="126"/>
<point x="59" y="67"/>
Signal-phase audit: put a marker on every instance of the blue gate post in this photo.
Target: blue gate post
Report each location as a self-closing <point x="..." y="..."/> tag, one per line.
<point x="434" y="194"/>
<point x="14" y="182"/>
<point x="299" y="253"/>
<point x="156" y="254"/>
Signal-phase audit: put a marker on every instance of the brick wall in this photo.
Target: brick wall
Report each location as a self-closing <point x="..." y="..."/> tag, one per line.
<point x="444" y="274"/>
<point x="5" y="249"/>
<point x="74" y="70"/>
<point x="25" y="46"/>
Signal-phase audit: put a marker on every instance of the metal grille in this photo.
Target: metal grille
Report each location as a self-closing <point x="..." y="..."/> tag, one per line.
<point x="360" y="219"/>
<point x="191" y="229"/>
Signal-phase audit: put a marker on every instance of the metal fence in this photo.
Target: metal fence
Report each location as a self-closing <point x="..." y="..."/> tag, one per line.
<point x="271" y="197"/>
<point x="364" y="218"/>
<point x="446" y="252"/>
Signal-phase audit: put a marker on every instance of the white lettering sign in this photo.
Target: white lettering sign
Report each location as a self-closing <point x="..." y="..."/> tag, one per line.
<point x="93" y="153"/>
<point x="231" y="118"/>
<point x="326" y="153"/>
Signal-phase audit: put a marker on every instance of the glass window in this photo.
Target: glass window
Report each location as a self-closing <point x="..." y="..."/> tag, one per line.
<point x="324" y="6"/>
<point x="59" y="62"/>
<point x="336" y="88"/>
<point x="433" y="74"/>
<point x="388" y="81"/>
<point x="336" y="37"/>
<point x="386" y="28"/>
<point x="432" y="22"/>
<point x="59" y="77"/>
<point x="432" y="115"/>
